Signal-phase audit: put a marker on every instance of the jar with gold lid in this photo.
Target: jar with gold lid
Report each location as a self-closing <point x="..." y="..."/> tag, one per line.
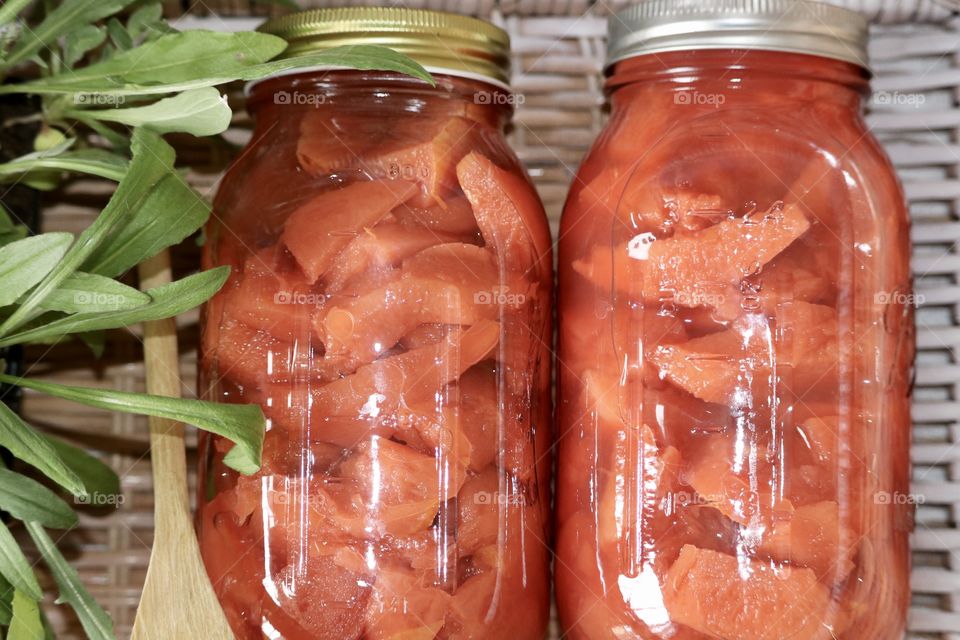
<point x="389" y="309"/>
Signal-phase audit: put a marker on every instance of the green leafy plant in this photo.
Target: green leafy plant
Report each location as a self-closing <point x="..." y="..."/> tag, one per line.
<point x="111" y="77"/>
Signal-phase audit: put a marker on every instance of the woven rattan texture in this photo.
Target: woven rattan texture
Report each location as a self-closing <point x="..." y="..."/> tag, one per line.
<point x="558" y="48"/>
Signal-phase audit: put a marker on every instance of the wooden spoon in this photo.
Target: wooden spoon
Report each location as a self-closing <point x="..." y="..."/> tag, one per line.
<point x="178" y="600"/>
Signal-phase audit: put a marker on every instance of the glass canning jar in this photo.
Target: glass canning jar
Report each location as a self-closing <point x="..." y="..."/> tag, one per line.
<point x="736" y="338"/>
<point x="389" y="309"/>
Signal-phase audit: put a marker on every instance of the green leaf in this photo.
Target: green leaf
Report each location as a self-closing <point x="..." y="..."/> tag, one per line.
<point x="15" y="567"/>
<point x="95" y="162"/>
<point x="90" y="293"/>
<point x="27" y="499"/>
<point x="25" y="623"/>
<point x="200" y="112"/>
<point x="173" y="68"/>
<point x="152" y="160"/>
<point x="356" y="56"/>
<point x="9" y="230"/>
<point x="66" y="17"/>
<point x="96" y="341"/>
<point x="170" y="213"/>
<point x="24" y="263"/>
<point x="95" y="621"/>
<point x="118" y="35"/>
<point x="11" y="9"/>
<point x="32" y="448"/>
<point x="97" y="478"/>
<point x="170" y="63"/>
<point x="167" y="301"/>
<point x="6" y="601"/>
<point x="82" y="41"/>
<point x="241" y="424"/>
<point x="145" y="19"/>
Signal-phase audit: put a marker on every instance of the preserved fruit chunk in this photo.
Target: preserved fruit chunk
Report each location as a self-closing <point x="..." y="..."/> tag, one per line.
<point x="445" y="284"/>
<point x="402" y="608"/>
<point x="380" y="248"/>
<point x="700" y="268"/>
<point x="712" y="593"/>
<point x="505" y="207"/>
<point x="813" y="537"/>
<point x="326" y="601"/>
<point x="318" y="230"/>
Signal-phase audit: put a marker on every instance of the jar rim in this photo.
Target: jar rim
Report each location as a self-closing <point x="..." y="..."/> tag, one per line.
<point x="452" y="42"/>
<point x="788" y="26"/>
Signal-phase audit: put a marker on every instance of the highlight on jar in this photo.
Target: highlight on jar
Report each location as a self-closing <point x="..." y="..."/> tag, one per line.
<point x="389" y="309"/>
<point x="736" y="339"/>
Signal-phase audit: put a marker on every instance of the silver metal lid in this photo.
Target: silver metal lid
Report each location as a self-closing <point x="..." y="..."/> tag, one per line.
<point x="794" y="26"/>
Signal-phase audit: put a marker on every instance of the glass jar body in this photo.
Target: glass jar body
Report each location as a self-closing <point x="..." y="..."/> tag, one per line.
<point x="388" y="308"/>
<point x="736" y="335"/>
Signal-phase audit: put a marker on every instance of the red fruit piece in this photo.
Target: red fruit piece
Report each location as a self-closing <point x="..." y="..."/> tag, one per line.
<point x="480" y="503"/>
<point x="381" y="248"/>
<point x="345" y="411"/>
<point x="402" y="608"/>
<point x="272" y="294"/>
<point x="820" y="436"/>
<point x="230" y="556"/>
<point x="467" y="429"/>
<point x="446" y="284"/>
<point x="695" y="269"/>
<point x="801" y="343"/>
<point x="453" y="215"/>
<point x="714" y="472"/>
<point x="507" y="211"/>
<point x="253" y="359"/>
<point x="808" y="348"/>
<point x="699" y="268"/>
<point x="321" y="598"/>
<point x="614" y="193"/>
<point x="726" y="597"/>
<point x="813" y="537"/>
<point x="711" y="367"/>
<point x="396" y="480"/>
<point x="317" y="231"/>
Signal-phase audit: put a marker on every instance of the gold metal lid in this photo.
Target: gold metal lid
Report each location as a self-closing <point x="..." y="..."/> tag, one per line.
<point x="441" y="42"/>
